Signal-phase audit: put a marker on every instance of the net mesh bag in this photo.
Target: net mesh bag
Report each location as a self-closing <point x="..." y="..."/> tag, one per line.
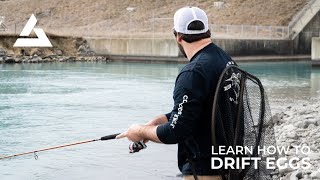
<point x="241" y="116"/>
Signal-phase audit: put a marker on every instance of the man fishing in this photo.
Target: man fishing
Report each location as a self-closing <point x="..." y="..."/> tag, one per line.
<point x="189" y="123"/>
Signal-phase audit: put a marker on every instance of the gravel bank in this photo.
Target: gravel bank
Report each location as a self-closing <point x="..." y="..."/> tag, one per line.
<point x="299" y="125"/>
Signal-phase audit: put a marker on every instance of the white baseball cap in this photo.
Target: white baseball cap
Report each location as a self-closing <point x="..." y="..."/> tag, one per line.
<point x="184" y="16"/>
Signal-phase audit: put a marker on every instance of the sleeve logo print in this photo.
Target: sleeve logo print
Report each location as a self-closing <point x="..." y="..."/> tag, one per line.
<point x="176" y="116"/>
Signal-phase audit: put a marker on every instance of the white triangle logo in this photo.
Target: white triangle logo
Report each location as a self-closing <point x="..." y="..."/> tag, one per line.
<point x="41" y="40"/>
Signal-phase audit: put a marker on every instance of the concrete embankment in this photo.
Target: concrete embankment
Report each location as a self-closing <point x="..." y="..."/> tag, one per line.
<point x="166" y="50"/>
<point x="138" y="50"/>
<point x="158" y="59"/>
<point x="168" y="47"/>
<point x="315" y="48"/>
<point x="315" y="54"/>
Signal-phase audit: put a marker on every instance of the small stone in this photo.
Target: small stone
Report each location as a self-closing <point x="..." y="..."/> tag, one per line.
<point x="287" y="177"/>
<point x="302" y="155"/>
<point x="313" y="132"/>
<point x="299" y="124"/>
<point x="17" y="60"/>
<point x="62" y="59"/>
<point x="46" y="60"/>
<point x="285" y="170"/>
<point x="314" y="147"/>
<point x="9" y="60"/>
<point x="311" y="126"/>
<point x="36" y="52"/>
<point x="292" y="135"/>
<point x="58" y="52"/>
<point x="292" y="152"/>
<point x="277" y="118"/>
<point x="44" y="13"/>
<point x="315" y="174"/>
<point x="305" y="112"/>
<point x="72" y="58"/>
<point x="298" y="174"/>
<point x="311" y="117"/>
<point x="293" y="175"/>
<point x="79" y="58"/>
<point x="306" y="123"/>
<point x="3" y="52"/>
<point x="314" y="156"/>
<point x="289" y="128"/>
<point x="282" y="162"/>
<point x="35" y="59"/>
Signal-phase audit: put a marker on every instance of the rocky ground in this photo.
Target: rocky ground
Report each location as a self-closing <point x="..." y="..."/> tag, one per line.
<point x="65" y="48"/>
<point x="299" y="125"/>
<point x="53" y="58"/>
<point x="38" y="57"/>
<point x="35" y="58"/>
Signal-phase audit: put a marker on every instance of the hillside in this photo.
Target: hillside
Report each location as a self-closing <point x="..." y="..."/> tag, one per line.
<point x="109" y="17"/>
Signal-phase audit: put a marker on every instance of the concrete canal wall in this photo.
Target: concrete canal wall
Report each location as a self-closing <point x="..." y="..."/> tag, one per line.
<point x="300" y="44"/>
<point x="315" y="55"/>
<point x="168" y="47"/>
<point x="135" y="47"/>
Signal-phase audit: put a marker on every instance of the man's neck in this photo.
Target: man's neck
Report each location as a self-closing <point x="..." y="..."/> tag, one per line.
<point x="192" y="48"/>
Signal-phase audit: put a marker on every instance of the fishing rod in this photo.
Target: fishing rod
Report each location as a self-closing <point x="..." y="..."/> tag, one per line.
<point x="134" y="147"/>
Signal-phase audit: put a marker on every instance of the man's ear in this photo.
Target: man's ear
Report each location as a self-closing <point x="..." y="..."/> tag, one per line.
<point x="179" y="39"/>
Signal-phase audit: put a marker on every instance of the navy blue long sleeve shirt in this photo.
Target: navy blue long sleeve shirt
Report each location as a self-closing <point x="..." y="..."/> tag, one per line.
<point x="191" y="115"/>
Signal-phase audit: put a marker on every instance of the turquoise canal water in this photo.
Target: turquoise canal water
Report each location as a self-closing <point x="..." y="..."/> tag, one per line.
<point x="43" y="105"/>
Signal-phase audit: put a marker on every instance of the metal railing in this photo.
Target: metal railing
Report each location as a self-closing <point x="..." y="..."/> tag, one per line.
<point x="2" y="25"/>
<point x="163" y="25"/>
<point x="249" y="31"/>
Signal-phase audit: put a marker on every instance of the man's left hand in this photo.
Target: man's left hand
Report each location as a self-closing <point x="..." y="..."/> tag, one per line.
<point x="133" y="133"/>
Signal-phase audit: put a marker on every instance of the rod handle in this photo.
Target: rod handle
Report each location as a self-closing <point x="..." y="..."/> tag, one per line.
<point x="108" y="137"/>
